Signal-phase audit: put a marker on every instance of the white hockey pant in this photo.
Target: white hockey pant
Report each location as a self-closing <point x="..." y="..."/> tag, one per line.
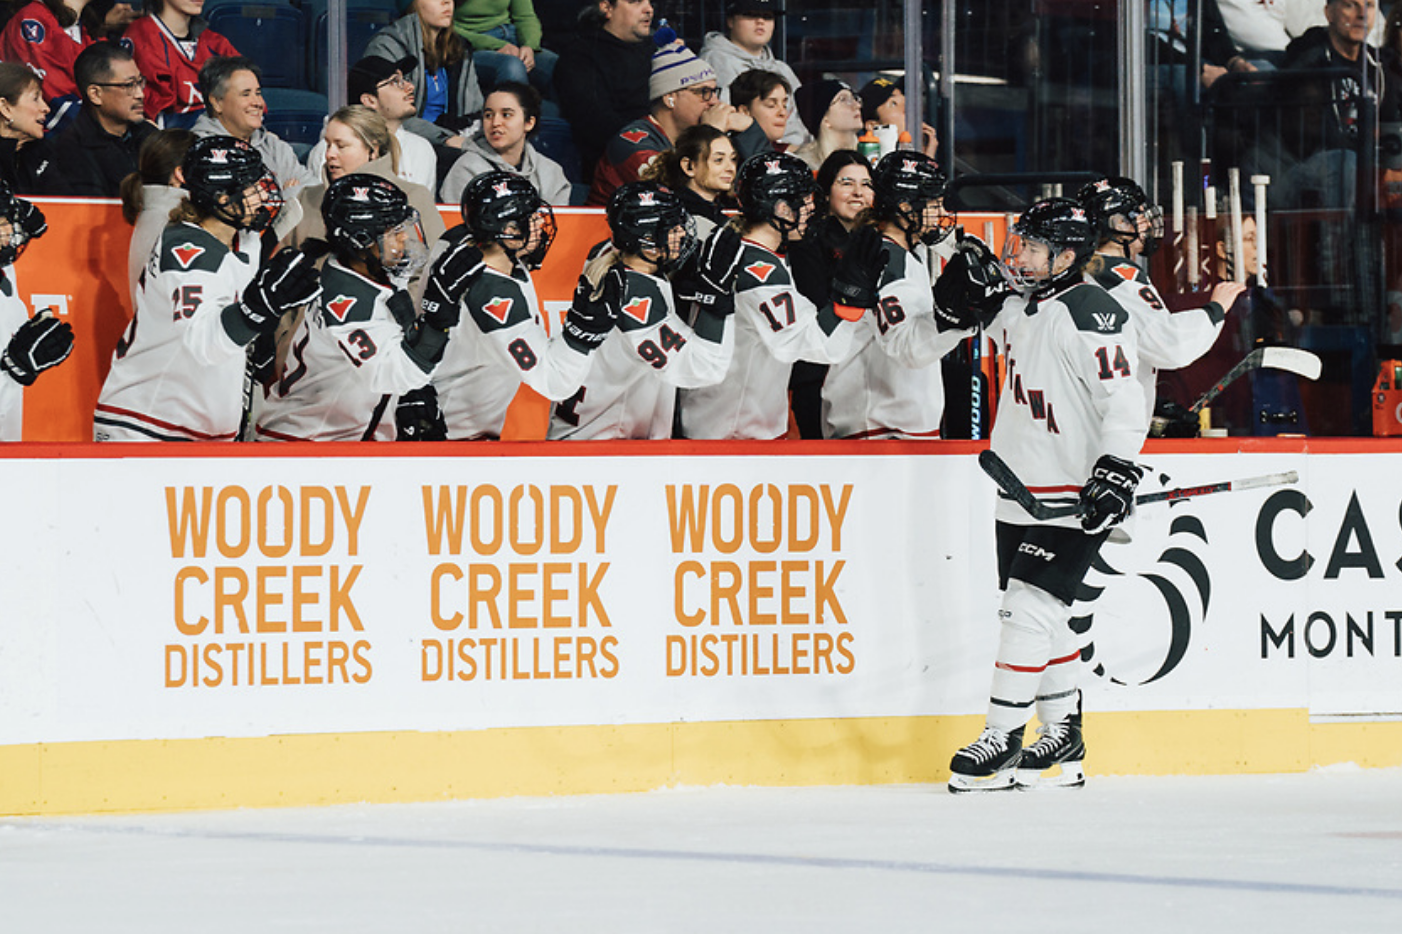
<point x="1038" y="659"/>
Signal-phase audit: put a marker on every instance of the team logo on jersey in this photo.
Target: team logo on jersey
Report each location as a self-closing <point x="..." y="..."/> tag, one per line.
<point x="760" y="271"/>
<point x="638" y="309"/>
<point x="498" y="308"/>
<point x="1106" y="321"/>
<point x="1125" y="272"/>
<point x="340" y="307"/>
<point x="186" y="253"/>
<point x="32" y="30"/>
<point x="634" y="136"/>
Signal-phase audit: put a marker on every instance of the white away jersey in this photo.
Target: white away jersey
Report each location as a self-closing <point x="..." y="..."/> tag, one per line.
<point x="500" y="343"/>
<point x="12" y="315"/>
<point x="177" y="374"/>
<point x="892" y="386"/>
<point x="1167" y="340"/>
<point x="347" y="364"/>
<point x="632" y="383"/>
<point x="1071" y="394"/>
<point x="774" y="326"/>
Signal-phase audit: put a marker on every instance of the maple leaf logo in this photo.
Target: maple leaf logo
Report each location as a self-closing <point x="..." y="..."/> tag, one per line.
<point x="760" y="271"/>
<point x="186" y="254"/>
<point x="638" y="309"/>
<point x="340" y="307"/>
<point x="498" y="308"/>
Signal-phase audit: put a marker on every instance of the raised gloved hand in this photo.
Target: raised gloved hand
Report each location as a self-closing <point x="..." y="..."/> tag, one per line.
<point x="287" y="281"/>
<point x="30" y="219"/>
<point x="452" y="275"/>
<point x="418" y="418"/>
<point x="711" y="282"/>
<point x="970" y="289"/>
<point x="42" y="342"/>
<point x="1108" y="496"/>
<point x="858" y="274"/>
<point x="593" y="312"/>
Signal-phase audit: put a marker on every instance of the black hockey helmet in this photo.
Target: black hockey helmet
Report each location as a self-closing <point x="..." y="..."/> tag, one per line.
<point x="768" y="180"/>
<point x="226" y="178"/>
<point x="13" y="239"/>
<point x="360" y="211"/>
<point x="1058" y="224"/>
<point x="648" y="216"/>
<point x="498" y="207"/>
<point x="1114" y="195"/>
<point x="903" y="183"/>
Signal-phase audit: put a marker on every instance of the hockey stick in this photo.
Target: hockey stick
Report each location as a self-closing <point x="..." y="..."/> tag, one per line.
<point x="1007" y="481"/>
<point x="1292" y="359"/>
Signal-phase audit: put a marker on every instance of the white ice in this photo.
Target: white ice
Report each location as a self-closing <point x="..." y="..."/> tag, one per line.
<point x="1313" y="852"/>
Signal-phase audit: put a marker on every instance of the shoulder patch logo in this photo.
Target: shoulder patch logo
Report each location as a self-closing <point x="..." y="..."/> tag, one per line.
<point x="498" y="308"/>
<point x="340" y="306"/>
<point x="760" y="271"/>
<point x="638" y="309"/>
<point x="32" y="30"/>
<point x="1125" y="272"/>
<point x="187" y="253"/>
<point x="634" y="136"/>
<point x="1106" y="321"/>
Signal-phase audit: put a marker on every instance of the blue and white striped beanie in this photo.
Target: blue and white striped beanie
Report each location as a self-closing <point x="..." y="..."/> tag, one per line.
<point x="675" y="67"/>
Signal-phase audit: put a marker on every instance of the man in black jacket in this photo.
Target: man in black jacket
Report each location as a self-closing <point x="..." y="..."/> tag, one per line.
<point x="601" y="80"/>
<point x="91" y="156"/>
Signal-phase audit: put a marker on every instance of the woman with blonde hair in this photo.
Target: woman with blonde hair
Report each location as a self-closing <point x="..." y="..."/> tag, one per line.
<point x="22" y="114"/>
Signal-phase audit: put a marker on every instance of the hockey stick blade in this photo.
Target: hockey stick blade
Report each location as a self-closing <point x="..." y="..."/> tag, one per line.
<point x="1291" y="359"/>
<point x="1007" y="481"/>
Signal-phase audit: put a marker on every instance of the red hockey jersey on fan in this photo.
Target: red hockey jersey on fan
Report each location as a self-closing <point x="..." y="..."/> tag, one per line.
<point x="34" y="37"/>
<point x="171" y="65"/>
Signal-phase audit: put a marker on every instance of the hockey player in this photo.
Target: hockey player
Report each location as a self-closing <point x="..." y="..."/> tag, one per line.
<point x="364" y="344"/>
<point x="1071" y="421"/>
<point x="31" y="345"/>
<point x="631" y="388"/>
<point x="178" y="371"/>
<point x="1128" y="227"/>
<point x="501" y="342"/>
<point x="774" y="324"/>
<point x="892" y="385"/>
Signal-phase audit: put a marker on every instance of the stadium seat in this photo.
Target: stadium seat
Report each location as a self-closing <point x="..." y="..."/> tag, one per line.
<point x="269" y="33"/>
<point x="555" y="141"/>
<point x="297" y="116"/>
<point x="364" y="18"/>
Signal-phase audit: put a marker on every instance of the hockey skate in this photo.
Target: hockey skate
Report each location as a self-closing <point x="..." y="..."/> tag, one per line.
<point x="1062" y="744"/>
<point x="988" y="763"/>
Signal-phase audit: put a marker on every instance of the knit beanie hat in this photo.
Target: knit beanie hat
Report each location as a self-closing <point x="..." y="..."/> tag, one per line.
<point x="675" y="67"/>
<point x="814" y="99"/>
<point x="876" y="92"/>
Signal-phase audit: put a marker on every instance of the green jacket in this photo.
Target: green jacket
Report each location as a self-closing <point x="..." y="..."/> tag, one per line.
<point x="473" y="18"/>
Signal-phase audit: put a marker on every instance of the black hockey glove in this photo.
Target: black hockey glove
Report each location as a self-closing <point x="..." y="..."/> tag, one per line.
<point x="42" y="342"/>
<point x="858" y="275"/>
<point x="418" y="418"/>
<point x="1108" y="497"/>
<point x="592" y="316"/>
<point x="262" y="359"/>
<point x="1172" y="420"/>
<point x="970" y="290"/>
<point x="711" y="283"/>
<point x="30" y="219"/>
<point x="287" y="281"/>
<point x="452" y="275"/>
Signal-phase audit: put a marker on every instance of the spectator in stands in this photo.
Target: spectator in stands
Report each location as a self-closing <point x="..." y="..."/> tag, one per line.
<point x="749" y="26"/>
<point x="358" y="140"/>
<point x="384" y="87"/>
<point x="22" y="115"/>
<point x="764" y="96"/>
<point x="844" y="188"/>
<point x="701" y="170"/>
<point x="150" y="193"/>
<point x="446" y="92"/>
<point x="831" y="110"/>
<point x="107" y="19"/>
<point x="684" y="93"/>
<point x="509" y="116"/>
<point x="601" y="80"/>
<point x="1340" y="44"/>
<point x="92" y="155"/>
<point x="505" y="38"/>
<point x="46" y="36"/>
<point x="170" y="44"/>
<point x="883" y="104"/>
<point x="233" y="92"/>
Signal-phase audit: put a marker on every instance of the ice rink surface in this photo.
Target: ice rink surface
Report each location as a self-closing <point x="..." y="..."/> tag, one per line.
<point x="1313" y="852"/>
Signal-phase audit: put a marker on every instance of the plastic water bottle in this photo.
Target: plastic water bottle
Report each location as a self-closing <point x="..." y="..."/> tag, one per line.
<point x="869" y="147"/>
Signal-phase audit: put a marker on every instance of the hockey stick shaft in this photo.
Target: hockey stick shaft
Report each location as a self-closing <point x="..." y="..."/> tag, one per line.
<point x="1291" y="359"/>
<point x="1007" y="481"/>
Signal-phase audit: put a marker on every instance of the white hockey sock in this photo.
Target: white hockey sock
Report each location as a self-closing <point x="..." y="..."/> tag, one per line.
<point x="1058" y="694"/>
<point x="1029" y="617"/>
